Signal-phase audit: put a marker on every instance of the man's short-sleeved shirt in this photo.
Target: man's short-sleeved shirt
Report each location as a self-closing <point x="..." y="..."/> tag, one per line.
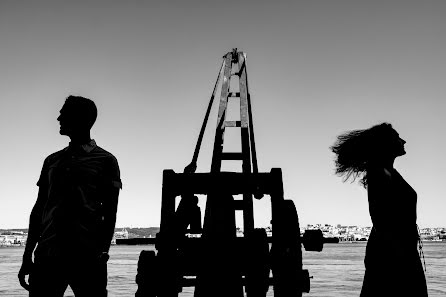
<point x="76" y="182"/>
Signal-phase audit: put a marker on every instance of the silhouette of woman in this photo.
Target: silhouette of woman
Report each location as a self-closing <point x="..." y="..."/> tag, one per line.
<point x="392" y="263"/>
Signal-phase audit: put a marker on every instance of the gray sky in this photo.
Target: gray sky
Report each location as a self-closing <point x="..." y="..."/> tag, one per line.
<point x="316" y="69"/>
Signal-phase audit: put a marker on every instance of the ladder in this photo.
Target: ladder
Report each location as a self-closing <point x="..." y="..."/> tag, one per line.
<point x="219" y="229"/>
<point x="235" y="66"/>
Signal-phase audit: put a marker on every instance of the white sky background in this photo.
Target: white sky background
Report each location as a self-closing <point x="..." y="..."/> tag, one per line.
<point x="316" y="69"/>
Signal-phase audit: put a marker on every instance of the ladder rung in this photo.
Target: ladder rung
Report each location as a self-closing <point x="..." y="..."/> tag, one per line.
<point x="234" y="94"/>
<point x="238" y="205"/>
<point x="233" y="124"/>
<point x="232" y="156"/>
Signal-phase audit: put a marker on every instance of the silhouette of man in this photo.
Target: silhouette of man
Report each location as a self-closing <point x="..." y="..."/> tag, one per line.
<point x="73" y="220"/>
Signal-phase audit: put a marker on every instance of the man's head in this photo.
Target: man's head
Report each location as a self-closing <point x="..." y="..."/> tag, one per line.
<point x="77" y="116"/>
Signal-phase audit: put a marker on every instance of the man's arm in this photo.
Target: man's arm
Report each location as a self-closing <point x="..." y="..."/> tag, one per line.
<point x="110" y="204"/>
<point x="33" y="237"/>
<point x="110" y="208"/>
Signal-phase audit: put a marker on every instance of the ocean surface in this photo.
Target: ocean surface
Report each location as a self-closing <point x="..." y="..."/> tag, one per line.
<point x="337" y="271"/>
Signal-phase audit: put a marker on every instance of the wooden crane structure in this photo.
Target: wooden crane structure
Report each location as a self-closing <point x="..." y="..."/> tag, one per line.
<point x="217" y="262"/>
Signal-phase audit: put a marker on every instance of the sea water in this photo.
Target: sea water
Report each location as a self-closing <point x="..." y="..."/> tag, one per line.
<point x="337" y="271"/>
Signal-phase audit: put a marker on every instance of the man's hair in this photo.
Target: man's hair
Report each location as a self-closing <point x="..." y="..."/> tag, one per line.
<point x="83" y="106"/>
<point x="357" y="150"/>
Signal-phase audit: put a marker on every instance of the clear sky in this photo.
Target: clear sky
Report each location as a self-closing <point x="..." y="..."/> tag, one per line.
<point x="316" y="69"/>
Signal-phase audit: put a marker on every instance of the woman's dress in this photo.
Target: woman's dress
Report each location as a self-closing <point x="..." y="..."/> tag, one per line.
<point x="392" y="263"/>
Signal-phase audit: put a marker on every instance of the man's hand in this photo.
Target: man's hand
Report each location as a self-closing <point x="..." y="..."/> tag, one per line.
<point x="27" y="264"/>
<point x="103" y="258"/>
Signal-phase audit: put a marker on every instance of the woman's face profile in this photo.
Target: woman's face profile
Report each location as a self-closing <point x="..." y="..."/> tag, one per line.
<point x="396" y="145"/>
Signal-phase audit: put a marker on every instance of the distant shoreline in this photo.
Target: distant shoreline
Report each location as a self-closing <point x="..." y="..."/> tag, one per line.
<point x="123" y="244"/>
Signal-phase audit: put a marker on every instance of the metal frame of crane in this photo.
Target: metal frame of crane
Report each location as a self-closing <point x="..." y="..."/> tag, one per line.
<point x="219" y="263"/>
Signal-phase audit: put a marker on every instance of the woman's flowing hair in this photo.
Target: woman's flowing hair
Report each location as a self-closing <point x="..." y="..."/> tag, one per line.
<point x="356" y="151"/>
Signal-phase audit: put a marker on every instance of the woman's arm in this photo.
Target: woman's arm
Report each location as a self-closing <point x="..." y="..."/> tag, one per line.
<point x="381" y="200"/>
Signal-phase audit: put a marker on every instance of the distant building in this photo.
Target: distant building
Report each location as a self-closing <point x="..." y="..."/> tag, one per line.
<point x="13" y="239"/>
<point x="124" y="234"/>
